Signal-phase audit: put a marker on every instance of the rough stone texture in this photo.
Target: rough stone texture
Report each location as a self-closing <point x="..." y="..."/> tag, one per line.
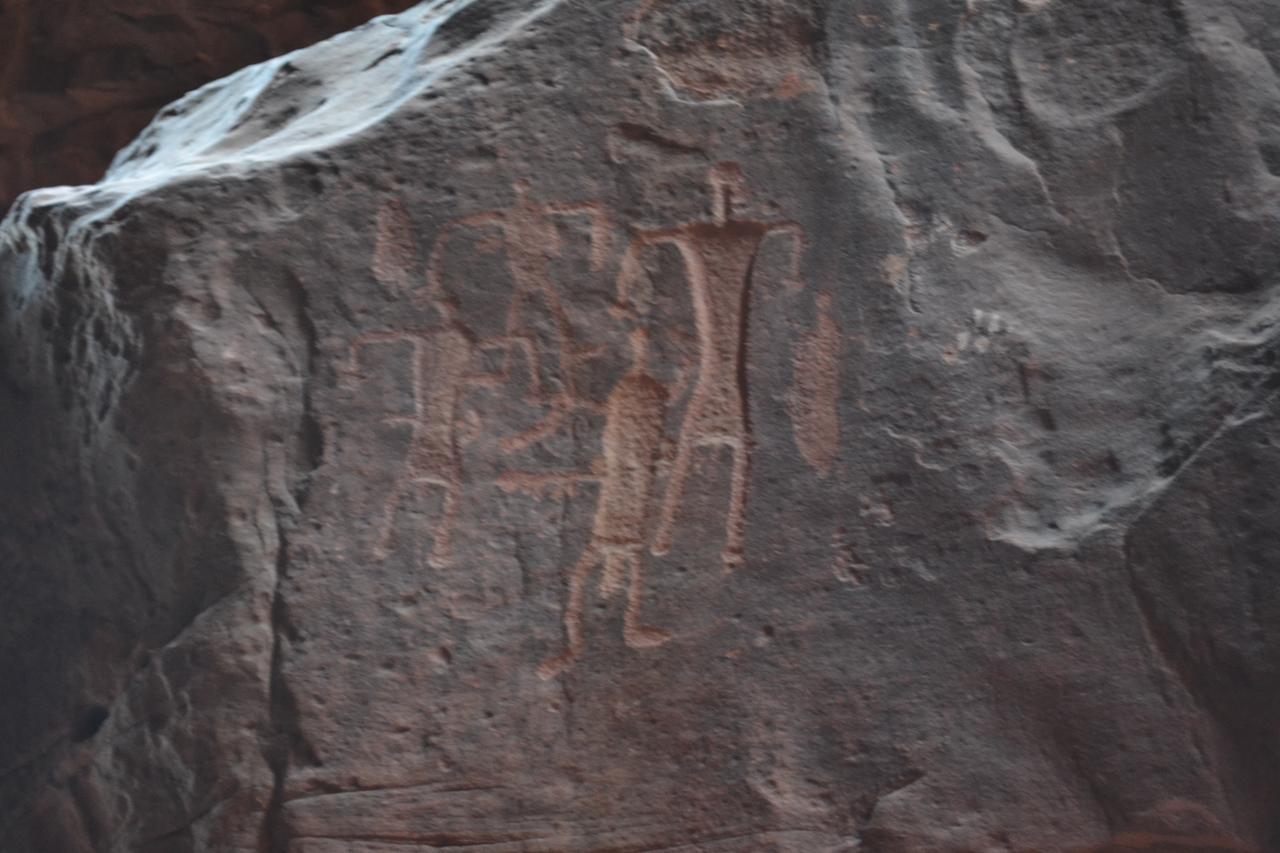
<point x="624" y="425"/>
<point x="80" y="78"/>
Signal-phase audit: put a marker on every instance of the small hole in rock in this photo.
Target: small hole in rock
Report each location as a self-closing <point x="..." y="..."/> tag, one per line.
<point x="89" y="723"/>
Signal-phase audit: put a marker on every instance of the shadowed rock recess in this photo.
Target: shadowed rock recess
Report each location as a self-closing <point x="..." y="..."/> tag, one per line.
<point x="635" y="425"/>
<point x="80" y="78"/>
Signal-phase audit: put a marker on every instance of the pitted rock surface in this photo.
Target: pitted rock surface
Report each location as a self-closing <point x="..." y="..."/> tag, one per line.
<point x="623" y="425"/>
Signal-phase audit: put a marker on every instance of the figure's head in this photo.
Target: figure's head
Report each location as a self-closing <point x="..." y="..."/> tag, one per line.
<point x="728" y="187"/>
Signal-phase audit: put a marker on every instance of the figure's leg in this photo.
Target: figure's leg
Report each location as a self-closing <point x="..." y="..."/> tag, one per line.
<point x="638" y="636"/>
<point x="675" y="492"/>
<point x="386" y="530"/>
<point x="616" y="563"/>
<point x="735" y="527"/>
<point x="442" y="548"/>
<point x="572" y="616"/>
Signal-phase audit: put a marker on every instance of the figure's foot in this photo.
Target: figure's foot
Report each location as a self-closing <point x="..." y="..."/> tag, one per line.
<point x="382" y="547"/>
<point x="556" y="665"/>
<point x="440" y="557"/>
<point x="733" y="560"/>
<point x="645" y="638"/>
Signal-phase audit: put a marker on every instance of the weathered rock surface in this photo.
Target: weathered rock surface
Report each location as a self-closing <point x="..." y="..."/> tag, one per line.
<point x="80" y="78"/>
<point x="621" y="425"/>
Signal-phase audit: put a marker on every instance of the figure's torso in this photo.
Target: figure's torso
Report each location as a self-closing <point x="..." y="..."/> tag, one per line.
<point x="719" y="260"/>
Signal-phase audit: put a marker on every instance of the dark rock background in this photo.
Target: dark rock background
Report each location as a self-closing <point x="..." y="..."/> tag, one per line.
<point x="625" y="425"/>
<point x="80" y="78"/>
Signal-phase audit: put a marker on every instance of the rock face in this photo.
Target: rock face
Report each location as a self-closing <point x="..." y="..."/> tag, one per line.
<point x="620" y="425"/>
<point x="80" y="78"/>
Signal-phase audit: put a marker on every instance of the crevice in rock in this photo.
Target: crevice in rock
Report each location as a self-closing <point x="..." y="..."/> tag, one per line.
<point x="646" y="135"/>
<point x="287" y="743"/>
<point x="283" y="712"/>
<point x="163" y="839"/>
<point x="1209" y="679"/>
<point x="311" y="433"/>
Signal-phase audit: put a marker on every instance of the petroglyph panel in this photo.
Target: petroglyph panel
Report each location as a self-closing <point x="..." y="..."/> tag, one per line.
<point x="536" y="348"/>
<point x="619" y="533"/>
<point x="718" y="254"/>
<point x="689" y="384"/>
<point x="437" y="367"/>
<point x="375" y="443"/>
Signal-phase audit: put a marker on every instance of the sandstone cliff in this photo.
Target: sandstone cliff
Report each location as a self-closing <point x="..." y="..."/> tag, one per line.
<point x="624" y="425"/>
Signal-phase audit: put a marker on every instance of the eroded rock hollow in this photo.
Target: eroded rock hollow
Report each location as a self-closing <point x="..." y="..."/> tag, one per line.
<point x="625" y="425"/>
<point x="80" y="78"/>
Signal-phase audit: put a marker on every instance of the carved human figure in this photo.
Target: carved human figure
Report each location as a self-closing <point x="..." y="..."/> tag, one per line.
<point x="718" y="258"/>
<point x="439" y="374"/>
<point x="632" y="435"/>
<point x="531" y="239"/>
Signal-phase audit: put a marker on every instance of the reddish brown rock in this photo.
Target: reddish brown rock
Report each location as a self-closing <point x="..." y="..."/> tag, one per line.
<point x="551" y="425"/>
<point x="80" y="78"/>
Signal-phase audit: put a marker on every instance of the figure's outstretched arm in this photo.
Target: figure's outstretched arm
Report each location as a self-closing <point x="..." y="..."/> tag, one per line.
<point x="632" y="266"/>
<point x="799" y="243"/>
